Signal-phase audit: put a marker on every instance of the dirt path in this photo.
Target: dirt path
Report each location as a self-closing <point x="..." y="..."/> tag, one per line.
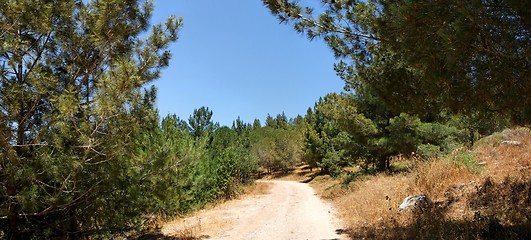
<point x="290" y="210"/>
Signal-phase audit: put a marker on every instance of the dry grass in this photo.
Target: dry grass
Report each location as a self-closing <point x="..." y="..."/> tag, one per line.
<point x="188" y="230"/>
<point x="434" y="177"/>
<point x="503" y="160"/>
<point x="258" y="188"/>
<point x="371" y="199"/>
<point x="467" y="204"/>
<point x="190" y="233"/>
<point x="301" y="173"/>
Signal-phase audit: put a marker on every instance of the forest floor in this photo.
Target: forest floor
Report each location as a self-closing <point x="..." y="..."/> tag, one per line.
<point x="274" y="210"/>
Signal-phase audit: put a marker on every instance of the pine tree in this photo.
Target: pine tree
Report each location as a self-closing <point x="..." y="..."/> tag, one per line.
<point x="201" y="123"/>
<point x="426" y="57"/>
<point x="257" y="124"/>
<point x="270" y="122"/>
<point x="71" y="104"/>
<point x="240" y="127"/>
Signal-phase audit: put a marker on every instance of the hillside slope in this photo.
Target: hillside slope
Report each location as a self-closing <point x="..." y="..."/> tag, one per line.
<point x="483" y="193"/>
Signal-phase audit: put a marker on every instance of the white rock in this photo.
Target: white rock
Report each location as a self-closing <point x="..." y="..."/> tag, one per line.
<point x="417" y="202"/>
<point x="515" y="143"/>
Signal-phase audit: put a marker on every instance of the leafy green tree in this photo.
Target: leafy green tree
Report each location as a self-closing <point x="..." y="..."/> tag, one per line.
<point x="277" y="148"/>
<point x="230" y="141"/>
<point x="312" y="148"/>
<point x="224" y="138"/>
<point x="404" y="134"/>
<point x="223" y="166"/>
<point x="342" y="108"/>
<point x="178" y="123"/>
<point x="408" y="134"/>
<point x="71" y="105"/>
<point x="160" y="159"/>
<point x="337" y="134"/>
<point x="279" y="122"/>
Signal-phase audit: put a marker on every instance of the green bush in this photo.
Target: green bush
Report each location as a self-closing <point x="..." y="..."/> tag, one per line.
<point x="439" y="134"/>
<point x="332" y="163"/>
<point x="427" y="151"/>
<point x="404" y="134"/>
<point x="468" y="160"/>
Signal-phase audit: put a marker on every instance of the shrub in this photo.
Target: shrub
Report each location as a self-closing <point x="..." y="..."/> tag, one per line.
<point x="427" y="151"/>
<point x="408" y="134"/>
<point x="332" y="163"/>
<point x="467" y="159"/>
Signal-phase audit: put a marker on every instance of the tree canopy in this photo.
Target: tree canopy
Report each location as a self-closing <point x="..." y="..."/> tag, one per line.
<point x="421" y="57"/>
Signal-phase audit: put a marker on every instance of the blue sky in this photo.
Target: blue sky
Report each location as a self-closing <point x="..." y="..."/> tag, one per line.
<point x="234" y="57"/>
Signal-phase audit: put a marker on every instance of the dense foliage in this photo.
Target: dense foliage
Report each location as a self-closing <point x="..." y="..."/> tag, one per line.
<point x="278" y="145"/>
<point x="423" y="77"/>
<point x="338" y="134"/>
<point x="426" y="57"/>
<point x="71" y="110"/>
<point x="80" y="135"/>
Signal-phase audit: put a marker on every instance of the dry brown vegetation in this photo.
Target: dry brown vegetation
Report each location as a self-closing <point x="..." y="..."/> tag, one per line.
<point x="299" y="173"/>
<point x="258" y="188"/>
<point x="480" y="194"/>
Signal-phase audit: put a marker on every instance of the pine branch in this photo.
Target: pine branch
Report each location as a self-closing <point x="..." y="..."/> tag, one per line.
<point x="337" y="29"/>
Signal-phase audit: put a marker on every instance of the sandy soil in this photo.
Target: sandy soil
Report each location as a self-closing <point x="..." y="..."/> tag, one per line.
<point x="290" y="210"/>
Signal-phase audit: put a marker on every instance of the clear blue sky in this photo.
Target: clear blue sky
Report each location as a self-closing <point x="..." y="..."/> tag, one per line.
<point x="234" y="57"/>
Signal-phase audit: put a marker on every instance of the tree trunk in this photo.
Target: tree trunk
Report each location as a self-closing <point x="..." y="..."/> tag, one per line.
<point x="11" y="186"/>
<point x="382" y="164"/>
<point x="73" y="229"/>
<point x="12" y="209"/>
<point x="471" y="137"/>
